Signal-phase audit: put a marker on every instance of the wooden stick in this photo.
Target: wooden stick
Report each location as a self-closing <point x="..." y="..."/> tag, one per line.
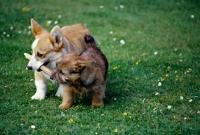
<point x="43" y="68"/>
<point x="46" y="70"/>
<point x="27" y="56"/>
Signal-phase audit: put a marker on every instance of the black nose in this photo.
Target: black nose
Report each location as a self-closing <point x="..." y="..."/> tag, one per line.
<point x="29" y="68"/>
<point x="51" y="77"/>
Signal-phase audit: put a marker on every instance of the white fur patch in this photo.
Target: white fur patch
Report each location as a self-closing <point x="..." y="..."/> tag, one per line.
<point x="41" y="90"/>
<point x="54" y="57"/>
<point x="64" y="51"/>
<point x="60" y="90"/>
<point x="34" y="63"/>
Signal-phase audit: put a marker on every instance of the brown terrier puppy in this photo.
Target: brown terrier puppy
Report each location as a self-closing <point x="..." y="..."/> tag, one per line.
<point x="82" y="74"/>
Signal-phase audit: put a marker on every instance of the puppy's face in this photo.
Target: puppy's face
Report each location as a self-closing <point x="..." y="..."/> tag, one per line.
<point x="69" y="70"/>
<point x="46" y="47"/>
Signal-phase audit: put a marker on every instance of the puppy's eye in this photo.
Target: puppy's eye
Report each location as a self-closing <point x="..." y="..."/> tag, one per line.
<point x="39" y="54"/>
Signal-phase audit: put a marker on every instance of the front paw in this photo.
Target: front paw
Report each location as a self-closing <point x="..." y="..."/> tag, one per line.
<point x="97" y="103"/>
<point x="38" y="97"/>
<point x="64" y="106"/>
<point x="58" y="94"/>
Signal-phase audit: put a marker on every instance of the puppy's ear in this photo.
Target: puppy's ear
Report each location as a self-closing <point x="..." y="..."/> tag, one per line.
<point x="79" y="65"/>
<point x="36" y="28"/>
<point x="56" y="37"/>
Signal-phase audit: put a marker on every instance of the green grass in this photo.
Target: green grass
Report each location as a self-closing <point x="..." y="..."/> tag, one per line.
<point x="134" y="103"/>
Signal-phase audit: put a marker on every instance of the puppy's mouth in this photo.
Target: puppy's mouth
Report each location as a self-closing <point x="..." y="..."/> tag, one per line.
<point x="45" y="64"/>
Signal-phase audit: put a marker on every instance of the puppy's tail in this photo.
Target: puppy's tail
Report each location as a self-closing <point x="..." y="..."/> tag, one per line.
<point x="89" y="40"/>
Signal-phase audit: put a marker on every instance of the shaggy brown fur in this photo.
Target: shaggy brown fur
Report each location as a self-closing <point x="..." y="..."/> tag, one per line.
<point x="82" y="74"/>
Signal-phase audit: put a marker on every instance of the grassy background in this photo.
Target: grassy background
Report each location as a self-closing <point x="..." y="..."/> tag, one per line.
<point x="162" y="46"/>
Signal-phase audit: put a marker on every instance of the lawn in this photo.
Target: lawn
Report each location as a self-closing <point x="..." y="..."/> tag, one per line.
<point x="153" y="84"/>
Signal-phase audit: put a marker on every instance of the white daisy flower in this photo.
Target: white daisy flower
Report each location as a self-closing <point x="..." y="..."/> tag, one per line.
<point x="169" y="107"/>
<point x="33" y="126"/>
<point x="62" y="114"/>
<point x="56" y="22"/>
<point x="121" y="6"/>
<point x="101" y="6"/>
<point x="159" y="84"/>
<point x="59" y="16"/>
<point x="111" y="32"/>
<point x="122" y="42"/>
<point x="49" y="22"/>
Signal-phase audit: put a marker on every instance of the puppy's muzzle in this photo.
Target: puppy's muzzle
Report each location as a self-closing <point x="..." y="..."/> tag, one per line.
<point x="31" y="68"/>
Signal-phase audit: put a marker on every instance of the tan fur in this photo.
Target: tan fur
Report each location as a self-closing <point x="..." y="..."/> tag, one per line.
<point x="49" y="47"/>
<point x="58" y="39"/>
<point x="77" y="31"/>
<point x="43" y="68"/>
<point x="74" y="34"/>
<point x="82" y="74"/>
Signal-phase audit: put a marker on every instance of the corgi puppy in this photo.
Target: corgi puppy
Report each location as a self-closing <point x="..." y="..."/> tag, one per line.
<point x="49" y="48"/>
<point x="82" y="74"/>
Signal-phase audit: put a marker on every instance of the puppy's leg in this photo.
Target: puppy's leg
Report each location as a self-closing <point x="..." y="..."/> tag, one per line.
<point x="60" y="90"/>
<point x="41" y="86"/>
<point x="67" y="98"/>
<point x="98" y="95"/>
